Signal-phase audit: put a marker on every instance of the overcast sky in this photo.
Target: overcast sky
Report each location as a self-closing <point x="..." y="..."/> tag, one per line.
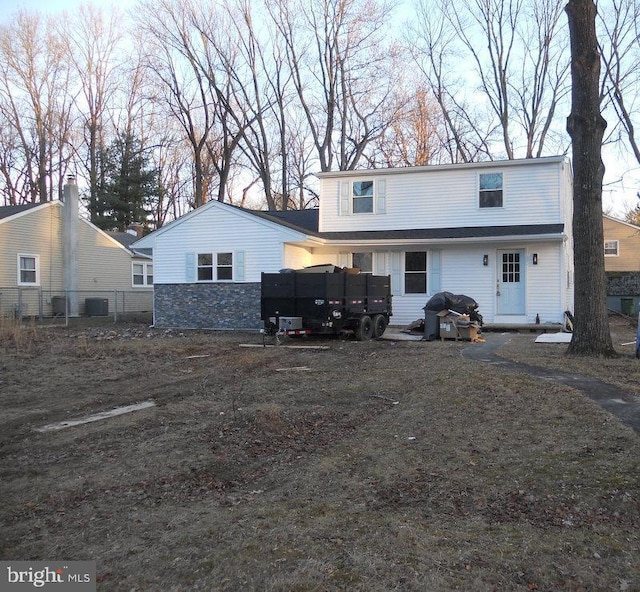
<point x="8" y="7"/>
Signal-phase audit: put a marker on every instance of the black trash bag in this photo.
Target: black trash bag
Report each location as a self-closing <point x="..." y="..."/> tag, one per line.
<point x="456" y="302"/>
<point x="438" y="301"/>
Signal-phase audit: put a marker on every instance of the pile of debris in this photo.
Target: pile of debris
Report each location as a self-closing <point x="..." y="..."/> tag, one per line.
<point x="449" y="316"/>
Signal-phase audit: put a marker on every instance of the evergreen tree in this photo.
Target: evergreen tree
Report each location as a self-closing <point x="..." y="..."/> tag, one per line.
<point x="128" y="187"/>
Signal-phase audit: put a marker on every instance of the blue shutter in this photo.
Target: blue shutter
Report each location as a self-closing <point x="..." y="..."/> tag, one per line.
<point x="381" y="207"/>
<point x="190" y="268"/>
<point x="396" y="274"/>
<point x="435" y="272"/>
<point x="238" y="266"/>
<point x="344" y="198"/>
<point x="379" y="264"/>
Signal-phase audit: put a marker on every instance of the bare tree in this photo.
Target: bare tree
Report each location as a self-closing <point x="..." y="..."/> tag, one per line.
<point x="586" y="127"/>
<point x="413" y="138"/>
<point x="518" y="76"/>
<point x="34" y="98"/>
<point x="620" y="50"/>
<point x="467" y="130"/>
<point x="171" y="53"/>
<point x="92" y="38"/>
<point x="259" y="82"/>
<point x="336" y="52"/>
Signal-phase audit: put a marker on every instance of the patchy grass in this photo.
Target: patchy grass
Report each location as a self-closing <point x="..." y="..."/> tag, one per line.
<point x="623" y="371"/>
<point x="247" y="478"/>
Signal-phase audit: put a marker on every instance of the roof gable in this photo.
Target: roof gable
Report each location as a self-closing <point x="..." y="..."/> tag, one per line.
<point x="621" y="222"/>
<point x="267" y="218"/>
<point x="8" y="213"/>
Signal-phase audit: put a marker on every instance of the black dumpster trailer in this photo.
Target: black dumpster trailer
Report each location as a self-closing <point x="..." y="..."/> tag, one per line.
<point x="299" y="302"/>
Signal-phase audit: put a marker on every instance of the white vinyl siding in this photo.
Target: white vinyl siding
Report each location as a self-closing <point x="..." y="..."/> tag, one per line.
<point x="218" y="228"/>
<point x="459" y="269"/>
<point x="297" y="257"/>
<point x="448" y="197"/>
<point x="361" y="196"/>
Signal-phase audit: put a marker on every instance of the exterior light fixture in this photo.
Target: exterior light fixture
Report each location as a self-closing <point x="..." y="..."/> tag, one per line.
<point x="535" y="258"/>
<point x="485" y="260"/>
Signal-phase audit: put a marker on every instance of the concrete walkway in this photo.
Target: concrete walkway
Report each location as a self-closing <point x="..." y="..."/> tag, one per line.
<point x="623" y="404"/>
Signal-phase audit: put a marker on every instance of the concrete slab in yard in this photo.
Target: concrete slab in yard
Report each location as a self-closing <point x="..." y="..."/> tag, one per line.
<point x="554" y="338"/>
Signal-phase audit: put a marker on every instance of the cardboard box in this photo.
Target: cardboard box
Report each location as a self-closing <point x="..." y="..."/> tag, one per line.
<point x="454" y="325"/>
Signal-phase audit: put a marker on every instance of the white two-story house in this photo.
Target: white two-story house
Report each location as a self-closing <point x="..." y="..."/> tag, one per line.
<point x="497" y="231"/>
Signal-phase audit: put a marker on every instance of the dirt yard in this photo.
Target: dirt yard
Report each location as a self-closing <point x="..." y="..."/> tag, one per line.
<point x="378" y="466"/>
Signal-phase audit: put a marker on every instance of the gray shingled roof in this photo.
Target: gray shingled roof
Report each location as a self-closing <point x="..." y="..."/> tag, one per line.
<point x="124" y="238"/>
<point x="447" y="233"/>
<point x="6" y="211"/>
<point x="307" y="221"/>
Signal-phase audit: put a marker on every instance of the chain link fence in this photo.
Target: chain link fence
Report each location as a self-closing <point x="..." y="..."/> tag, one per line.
<point x="36" y="303"/>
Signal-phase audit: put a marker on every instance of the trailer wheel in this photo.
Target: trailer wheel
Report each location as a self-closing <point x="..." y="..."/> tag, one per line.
<point x="379" y="326"/>
<point x="364" y="330"/>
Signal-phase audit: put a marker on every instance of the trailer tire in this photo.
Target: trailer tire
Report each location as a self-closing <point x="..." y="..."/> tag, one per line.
<point x="379" y="326"/>
<point x="364" y="330"/>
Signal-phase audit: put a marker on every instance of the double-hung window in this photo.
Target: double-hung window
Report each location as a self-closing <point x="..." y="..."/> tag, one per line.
<point x="142" y="274"/>
<point x="362" y="197"/>
<point x="490" y="190"/>
<point x="611" y="248"/>
<point x="28" y="270"/>
<point x="215" y="267"/>
<point x="415" y="272"/>
<point x="363" y="261"/>
<point x="224" y="267"/>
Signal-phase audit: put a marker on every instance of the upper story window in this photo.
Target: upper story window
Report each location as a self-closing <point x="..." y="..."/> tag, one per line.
<point x="490" y="194"/>
<point x="368" y="196"/>
<point x="215" y="267"/>
<point x="28" y="270"/>
<point x="142" y="274"/>
<point x="363" y="261"/>
<point x="415" y="272"/>
<point x="362" y="197"/>
<point x="611" y="248"/>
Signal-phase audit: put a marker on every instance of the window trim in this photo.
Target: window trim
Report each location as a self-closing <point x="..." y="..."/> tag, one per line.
<point x="353" y="263"/>
<point x="36" y="259"/>
<point x="215" y="266"/>
<point x="145" y="274"/>
<point x="617" y="243"/>
<point x="480" y="191"/>
<point x="422" y="272"/>
<point x="219" y="266"/>
<point x="371" y="197"/>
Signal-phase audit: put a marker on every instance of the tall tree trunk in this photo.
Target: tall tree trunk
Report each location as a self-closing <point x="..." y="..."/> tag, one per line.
<point x="586" y="127"/>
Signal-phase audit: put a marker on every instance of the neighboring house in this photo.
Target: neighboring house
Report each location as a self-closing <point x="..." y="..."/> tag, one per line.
<point x="48" y="252"/>
<point x="622" y="265"/>
<point x="499" y="232"/>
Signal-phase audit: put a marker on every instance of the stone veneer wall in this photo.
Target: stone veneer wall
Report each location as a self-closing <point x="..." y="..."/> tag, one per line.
<point x="623" y="284"/>
<point x="208" y="306"/>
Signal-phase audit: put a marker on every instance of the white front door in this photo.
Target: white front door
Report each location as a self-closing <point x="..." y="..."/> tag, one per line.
<point x="510" y="284"/>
